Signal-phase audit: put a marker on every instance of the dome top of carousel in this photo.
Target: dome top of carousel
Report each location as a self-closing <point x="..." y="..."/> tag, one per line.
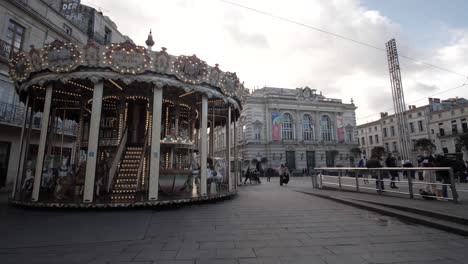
<point x="126" y="62"/>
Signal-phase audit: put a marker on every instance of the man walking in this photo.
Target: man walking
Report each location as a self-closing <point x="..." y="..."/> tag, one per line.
<point x="363" y="164"/>
<point x="374" y="162"/>
<point x="391" y="163"/>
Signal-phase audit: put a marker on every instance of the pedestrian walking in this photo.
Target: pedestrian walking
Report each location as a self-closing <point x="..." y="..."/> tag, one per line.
<point x="363" y="164"/>
<point x="391" y="163"/>
<point x="269" y="171"/>
<point x="248" y="175"/>
<point x="374" y="162"/>
<point x="284" y="178"/>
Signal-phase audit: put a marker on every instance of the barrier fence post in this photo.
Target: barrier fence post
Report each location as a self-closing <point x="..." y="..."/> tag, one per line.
<point x="357" y="180"/>
<point x="321" y="180"/>
<point x="339" y="180"/>
<point x="452" y="186"/>
<point x="410" y="184"/>
<point x="379" y="183"/>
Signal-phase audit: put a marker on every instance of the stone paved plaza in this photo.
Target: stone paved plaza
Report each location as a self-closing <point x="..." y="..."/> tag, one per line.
<point x="264" y="224"/>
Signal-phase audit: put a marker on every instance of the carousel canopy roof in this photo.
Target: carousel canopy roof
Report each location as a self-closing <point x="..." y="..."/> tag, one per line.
<point x="60" y="61"/>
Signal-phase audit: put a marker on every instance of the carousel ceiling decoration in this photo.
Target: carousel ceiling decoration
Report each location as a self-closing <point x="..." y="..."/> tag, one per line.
<point x="125" y="61"/>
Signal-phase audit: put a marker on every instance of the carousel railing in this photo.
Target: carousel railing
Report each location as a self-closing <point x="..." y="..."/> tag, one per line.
<point x="117" y="158"/>
<point x="142" y="160"/>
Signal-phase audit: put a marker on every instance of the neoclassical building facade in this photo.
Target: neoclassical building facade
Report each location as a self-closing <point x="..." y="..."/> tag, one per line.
<point x="298" y="127"/>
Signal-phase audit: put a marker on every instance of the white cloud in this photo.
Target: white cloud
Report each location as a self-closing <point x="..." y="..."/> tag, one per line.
<point x="268" y="51"/>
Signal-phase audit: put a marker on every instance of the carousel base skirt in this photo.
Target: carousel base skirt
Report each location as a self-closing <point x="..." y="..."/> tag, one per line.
<point x="173" y="200"/>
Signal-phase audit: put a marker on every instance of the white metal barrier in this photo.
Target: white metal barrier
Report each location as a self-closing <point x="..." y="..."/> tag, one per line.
<point x="319" y="180"/>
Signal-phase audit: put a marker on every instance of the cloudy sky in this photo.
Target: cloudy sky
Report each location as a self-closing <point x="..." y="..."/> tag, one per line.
<point x="266" y="51"/>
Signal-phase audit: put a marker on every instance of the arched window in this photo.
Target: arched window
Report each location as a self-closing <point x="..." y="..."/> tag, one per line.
<point x="325" y="126"/>
<point x="287" y="127"/>
<point x="308" y="128"/>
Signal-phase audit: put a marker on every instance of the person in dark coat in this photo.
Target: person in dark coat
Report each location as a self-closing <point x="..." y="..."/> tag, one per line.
<point x="374" y="162"/>
<point x="248" y="175"/>
<point x="391" y="163"/>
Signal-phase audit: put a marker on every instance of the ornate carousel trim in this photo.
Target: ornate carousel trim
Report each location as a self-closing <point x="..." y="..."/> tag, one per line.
<point x="219" y="196"/>
<point x="123" y="61"/>
<point x="159" y="81"/>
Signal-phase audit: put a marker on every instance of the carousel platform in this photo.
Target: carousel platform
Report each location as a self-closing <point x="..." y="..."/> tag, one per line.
<point x="165" y="201"/>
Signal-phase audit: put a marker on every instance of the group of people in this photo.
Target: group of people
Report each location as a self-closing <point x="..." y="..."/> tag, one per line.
<point x="430" y="177"/>
<point x="254" y="175"/>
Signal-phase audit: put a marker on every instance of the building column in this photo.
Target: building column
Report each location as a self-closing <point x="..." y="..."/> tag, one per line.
<point x="19" y="172"/>
<point x="228" y="150"/>
<point x="203" y="143"/>
<point x="42" y="143"/>
<point x="318" y="135"/>
<point x="93" y="142"/>
<point x="155" y="143"/>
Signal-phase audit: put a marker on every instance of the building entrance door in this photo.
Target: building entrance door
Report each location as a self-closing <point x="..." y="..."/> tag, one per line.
<point x="310" y="160"/>
<point x="4" y="159"/>
<point x="291" y="160"/>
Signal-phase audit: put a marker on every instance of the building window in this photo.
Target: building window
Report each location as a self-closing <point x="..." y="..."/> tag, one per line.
<point x="244" y="131"/>
<point x="375" y="129"/>
<point x="257" y="133"/>
<point x="287" y="127"/>
<point x="453" y="112"/>
<point x="370" y="129"/>
<point x="325" y="125"/>
<point x="411" y="127"/>
<point x="462" y="110"/>
<point x="445" y="150"/>
<point x="371" y="141"/>
<point x="410" y="116"/>
<point x="454" y="127"/>
<point x="441" y="130"/>
<point x="392" y="131"/>
<point x="363" y="141"/>
<point x="387" y="147"/>
<point x="420" y="125"/>
<point x="440" y="115"/>
<point x="385" y="134"/>
<point x="395" y="148"/>
<point x="67" y="29"/>
<point x="14" y="37"/>
<point x="358" y="142"/>
<point x="464" y="125"/>
<point x="420" y="114"/>
<point x="107" y="36"/>
<point x="376" y="139"/>
<point x="308" y="128"/>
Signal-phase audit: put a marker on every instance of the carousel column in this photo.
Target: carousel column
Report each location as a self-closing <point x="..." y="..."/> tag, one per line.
<point x="212" y="128"/>
<point x="22" y="150"/>
<point x="236" y="156"/>
<point x="155" y="143"/>
<point x="203" y="143"/>
<point x="228" y="150"/>
<point x="93" y="142"/>
<point x="42" y="143"/>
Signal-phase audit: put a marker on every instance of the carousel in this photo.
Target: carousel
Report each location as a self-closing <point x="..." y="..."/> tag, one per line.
<point x="140" y="119"/>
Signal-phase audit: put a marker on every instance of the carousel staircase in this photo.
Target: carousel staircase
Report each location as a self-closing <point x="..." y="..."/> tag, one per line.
<point x="125" y="184"/>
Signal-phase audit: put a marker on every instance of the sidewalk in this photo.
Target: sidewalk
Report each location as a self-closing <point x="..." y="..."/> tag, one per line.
<point x="441" y="207"/>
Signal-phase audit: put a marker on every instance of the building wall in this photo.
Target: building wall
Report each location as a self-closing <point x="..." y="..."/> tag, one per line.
<point x="43" y="22"/>
<point x="423" y="122"/>
<point x="257" y="116"/>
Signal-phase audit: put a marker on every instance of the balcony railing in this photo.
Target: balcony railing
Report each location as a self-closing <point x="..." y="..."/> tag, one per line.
<point x="13" y="115"/>
<point x="5" y="50"/>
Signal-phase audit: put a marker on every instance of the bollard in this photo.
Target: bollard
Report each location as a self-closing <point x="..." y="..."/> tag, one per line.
<point x="321" y="179"/>
<point x="339" y="180"/>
